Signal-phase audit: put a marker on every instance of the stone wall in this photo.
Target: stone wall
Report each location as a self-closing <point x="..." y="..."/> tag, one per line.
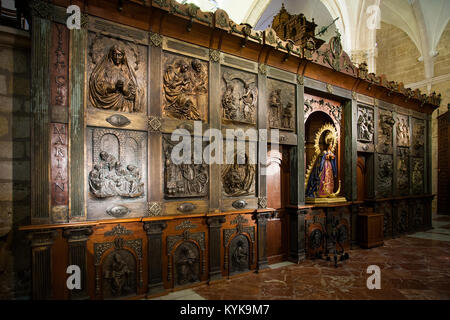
<point x="15" y="116"/>
<point x="398" y="56"/>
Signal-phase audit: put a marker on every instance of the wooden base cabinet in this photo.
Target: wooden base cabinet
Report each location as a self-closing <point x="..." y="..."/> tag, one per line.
<point x="370" y="230"/>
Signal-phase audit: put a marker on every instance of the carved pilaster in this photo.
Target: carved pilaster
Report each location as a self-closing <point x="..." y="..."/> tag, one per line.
<point x="154" y="231"/>
<point x="40" y="93"/>
<point x="77" y="239"/>
<point x="215" y="224"/>
<point x="297" y="235"/>
<point x="41" y="262"/>
<point x="78" y="47"/>
<point x="261" y="221"/>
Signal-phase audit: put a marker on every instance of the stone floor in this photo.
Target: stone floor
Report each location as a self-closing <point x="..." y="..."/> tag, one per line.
<point x="412" y="267"/>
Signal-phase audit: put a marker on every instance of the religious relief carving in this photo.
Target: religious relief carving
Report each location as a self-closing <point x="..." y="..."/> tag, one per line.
<point x="238" y="178"/>
<point x="116" y="173"/>
<point x="384" y="176"/>
<point x="119" y="274"/>
<point x="418" y="137"/>
<point x="240" y="96"/>
<point x="110" y="178"/>
<point x="239" y="254"/>
<point x="385" y="127"/>
<point x="417" y="175"/>
<point x="402" y="129"/>
<point x="185" y="87"/>
<point x="187" y="263"/>
<point x="281" y="105"/>
<point x="403" y="171"/>
<point x="186" y="179"/>
<point x="117" y="78"/>
<point x="316" y="239"/>
<point x="365" y="124"/>
<point x="418" y="214"/>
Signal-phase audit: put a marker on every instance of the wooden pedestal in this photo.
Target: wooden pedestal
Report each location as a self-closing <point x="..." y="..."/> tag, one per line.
<point x="370" y="230"/>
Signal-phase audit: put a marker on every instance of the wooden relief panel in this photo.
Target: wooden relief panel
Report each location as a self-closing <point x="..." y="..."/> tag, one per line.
<point x="239" y="171"/>
<point x="417" y="169"/>
<point x="117" y="173"/>
<point x="59" y="178"/>
<point x="315" y="233"/>
<point x="418" y="137"/>
<point x="402" y="130"/>
<point x="118" y="265"/>
<point x="338" y="227"/>
<point x="117" y="73"/>
<point x="403" y="170"/>
<point x="239" y="246"/>
<point x="402" y="216"/>
<point x="59" y="72"/>
<point x="183" y="180"/>
<point x="366" y="127"/>
<point x="239" y="96"/>
<point x="281" y="105"/>
<point x="186" y="255"/>
<point x="184" y="87"/>
<point x="385" y="126"/>
<point x="384" y="176"/>
<point x="330" y="107"/>
<point x="418" y="214"/>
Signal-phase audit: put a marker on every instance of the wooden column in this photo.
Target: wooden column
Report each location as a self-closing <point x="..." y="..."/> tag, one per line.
<point x="297" y="156"/>
<point x="297" y="234"/>
<point x="77" y="239"/>
<point x="78" y="45"/>
<point x="215" y="122"/>
<point x="155" y="165"/>
<point x="41" y="263"/>
<point x="215" y="225"/>
<point x="154" y="231"/>
<point x="40" y="103"/>
<point x="262" y="138"/>
<point x="350" y="132"/>
<point x="261" y="221"/>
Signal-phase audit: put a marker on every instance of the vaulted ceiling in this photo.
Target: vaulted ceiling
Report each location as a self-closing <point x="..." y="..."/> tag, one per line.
<point x="422" y="20"/>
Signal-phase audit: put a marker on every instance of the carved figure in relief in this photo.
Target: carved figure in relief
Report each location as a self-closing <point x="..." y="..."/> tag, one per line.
<point x="237" y="179"/>
<point x="402" y="133"/>
<point x="288" y="113"/>
<point x="113" y="84"/>
<point x="249" y="99"/>
<point x="386" y="124"/>
<point x="118" y="275"/>
<point x="275" y="106"/>
<point x="183" y="82"/>
<point x="365" y="125"/>
<point x="184" y="179"/>
<point x="109" y="179"/>
<point x="186" y="265"/>
<point x="239" y="98"/>
<point x="240" y="256"/>
<point x="229" y="103"/>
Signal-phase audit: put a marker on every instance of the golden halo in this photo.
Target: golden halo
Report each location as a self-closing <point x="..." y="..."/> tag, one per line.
<point x="326" y="127"/>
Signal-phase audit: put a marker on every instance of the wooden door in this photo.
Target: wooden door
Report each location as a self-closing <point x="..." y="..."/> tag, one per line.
<point x="277" y="198"/>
